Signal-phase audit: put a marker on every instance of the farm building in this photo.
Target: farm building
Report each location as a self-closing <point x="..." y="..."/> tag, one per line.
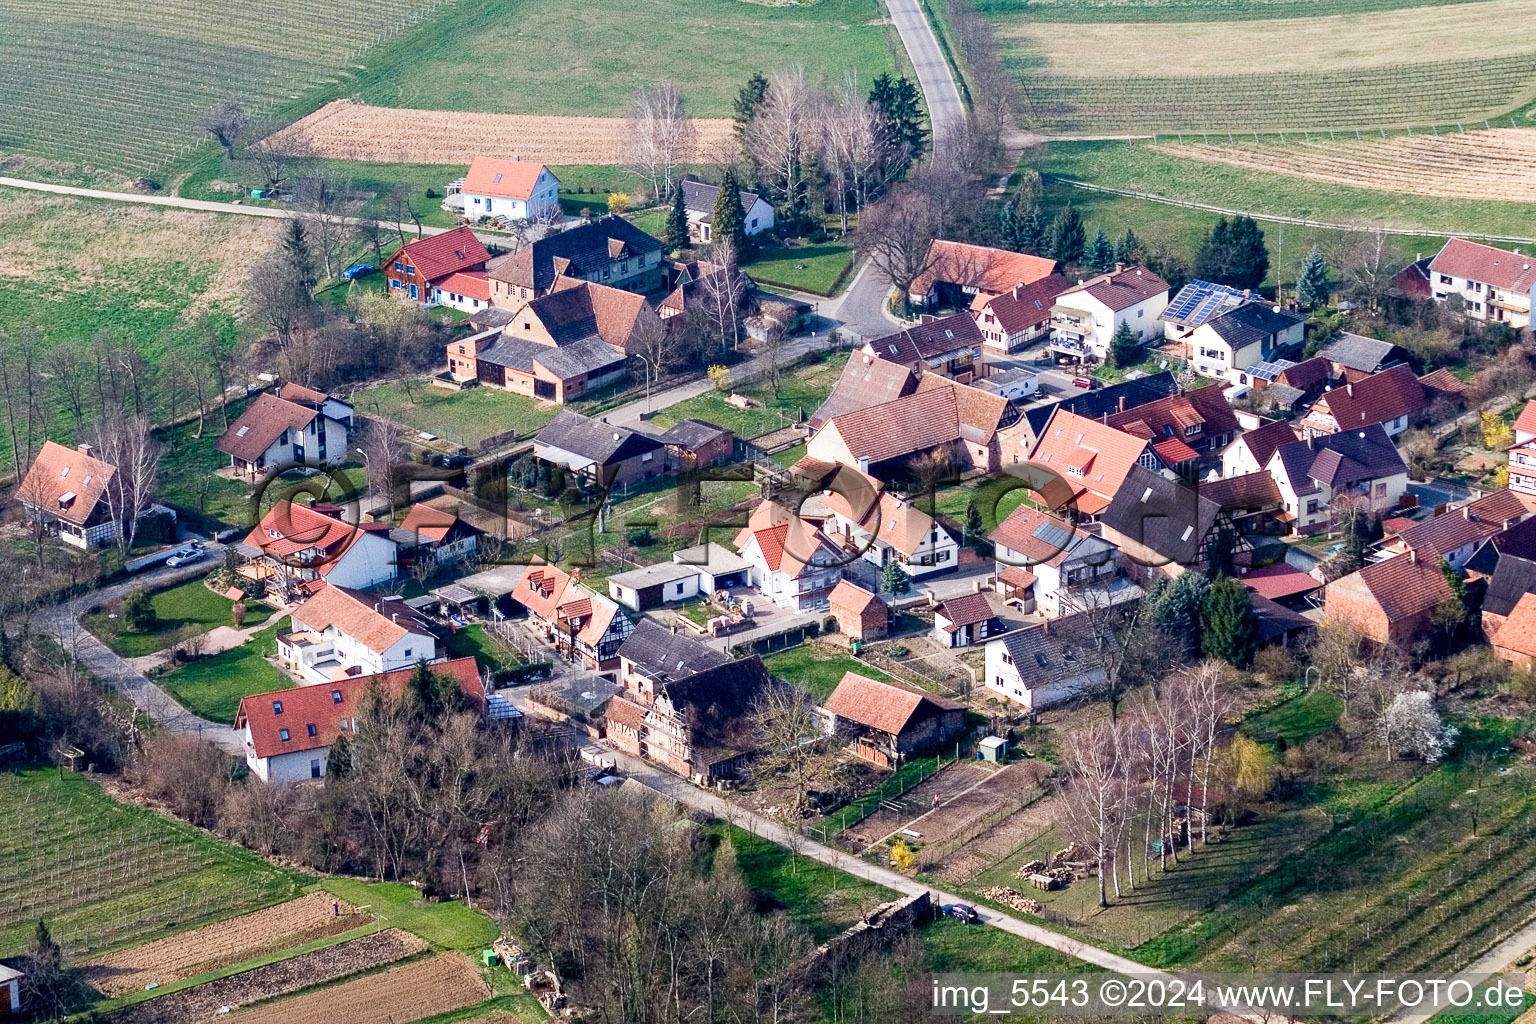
<point x="860" y="614"/>
<point x="448" y="268"/>
<point x="694" y="443"/>
<point x="509" y="189"/>
<point x="1391" y="601"/>
<point x="10" y="990"/>
<point x="888" y="722"/>
<point x="288" y="734"/>
<point x="607" y="455"/>
<point x="609" y="251"/>
<point x="964" y="620"/>
<point x="958" y="272"/>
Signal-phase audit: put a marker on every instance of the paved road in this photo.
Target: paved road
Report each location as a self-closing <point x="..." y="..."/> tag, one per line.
<point x="942" y="96"/>
<point x="62" y="622"/>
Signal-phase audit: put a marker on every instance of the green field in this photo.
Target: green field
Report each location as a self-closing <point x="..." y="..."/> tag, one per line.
<point x="122" y="86"/>
<point x="817" y="670"/>
<point x="801" y="391"/>
<point x="463" y="417"/>
<point x="105" y="874"/>
<point x="1426" y="64"/>
<point x="821" y="268"/>
<point x="211" y="687"/>
<point x="181" y="611"/>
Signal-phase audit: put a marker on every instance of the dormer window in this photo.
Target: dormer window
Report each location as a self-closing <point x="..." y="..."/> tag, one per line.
<point x="64" y="473"/>
<point x="277" y="707"/>
<point x="283" y="735"/>
<point x="335" y="696"/>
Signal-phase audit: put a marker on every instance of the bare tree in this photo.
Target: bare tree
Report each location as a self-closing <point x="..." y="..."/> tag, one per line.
<point x="271" y="162"/>
<point x="1092" y="794"/>
<point x="385" y="450"/>
<point x="791" y="736"/>
<point x="1209" y="706"/>
<point x="659" y="137"/>
<point x="650" y="345"/>
<point x="400" y="208"/>
<point x="19" y="395"/>
<point x="69" y="370"/>
<point x="780" y="134"/>
<point x="896" y="235"/>
<point x="723" y="291"/>
<point x="850" y="149"/>
<point x="228" y="124"/>
<point x="129" y="447"/>
<point x="325" y="201"/>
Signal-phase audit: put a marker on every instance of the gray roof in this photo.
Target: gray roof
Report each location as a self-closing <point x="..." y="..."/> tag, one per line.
<point x="1252" y="323"/>
<point x="715" y="559"/>
<point x="565" y="361"/>
<point x="603" y="443"/>
<point x="929" y="340"/>
<point x="1051" y="653"/>
<point x="1347" y="457"/>
<point x="664" y="656"/>
<point x="1096" y="404"/>
<point x="492" y="317"/>
<point x="495" y="582"/>
<point x="1359" y="353"/>
<point x="692" y="434"/>
<point x="866" y="380"/>
<point x="1168" y="518"/>
<point x="700" y="197"/>
<point x="653" y="575"/>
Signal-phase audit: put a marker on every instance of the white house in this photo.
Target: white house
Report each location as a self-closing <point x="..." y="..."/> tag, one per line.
<point x="295" y="426"/>
<point x="287" y="734"/>
<point x="340" y="633"/>
<point x="1224" y="346"/>
<point x="1043" y="665"/>
<point x="1251" y="450"/>
<point x="1055" y="557"/>
<point x="1085" y="318"/>
<point x="1498" y="285"/>
<point x="699" y="206"/>
<point x="885" y="528"/>
<point x="66" y="490"/>
<point x="791" y="561"/>
<point x="1361" y="467"/>
<point x="513" y="189"/>
<point x="301" y="543"/>
<point x="10" y="990"/>
<point x="652" y="586"/>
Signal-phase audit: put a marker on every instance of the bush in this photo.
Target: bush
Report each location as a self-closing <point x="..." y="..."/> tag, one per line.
<point x="720" y="377"/>
<point x="898" y="650"/>
<point x="237" y="613"/>
<point x="619" y="202"/>
<point x="138" y="612"/>
<point x="640" y="537"/>
<point x="433" y="193"/>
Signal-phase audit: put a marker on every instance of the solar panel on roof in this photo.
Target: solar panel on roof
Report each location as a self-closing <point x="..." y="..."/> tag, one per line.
<point x="1052" y="535"/>
<point x="1199" y="301"/>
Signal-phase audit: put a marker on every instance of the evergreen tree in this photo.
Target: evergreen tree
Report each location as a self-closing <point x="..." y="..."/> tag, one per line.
<point x="1101" y="254"/>
<point x="1032" y="231"/>
<point x="46" y="979"/>
<point x="748" y="100"/>
<point x="433" y="695"/>
<point x="1124" y="349"/>
<point x="894" y="580"/>
<point x="1128" y="249"/>
<point x="1213" y="260"/>
<point x="1220" y="560"/>
<point x="1229" y="628"/>
<point x="726" y="223"/>
<point x="298" y="256"/>
<point x="896" y="99"/>
<point x="1067" y="237"/>
<point x="1233" y="254"/>
<point x="1312" y="280"/>
<point x="1175" y="606"/>
<point x="1009" y="226"/>
<point x="677" y="221"/>
<point x="974" y="527"/>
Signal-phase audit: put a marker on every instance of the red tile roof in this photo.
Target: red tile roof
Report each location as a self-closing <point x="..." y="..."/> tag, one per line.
<point x="980" y="267"/>
<point x="913" y="423"/>
<point x="1406" y="585"/>
<point x="1518" y="631"/>
<point x="437" y="256"/>
<point x="1039" y="537"/>
<point x="65" y="482"/>
<point x="1378" y="398"/>
<point x="1526" y="421"/>
<point x="292" y="392"/>
<point x="850" y="598"/>
<point x="1175" y="452"/>
<point x="1307" y="374"/>
<point x="1472" y="522"/>
<point x="550" y="593"/>
<point x="509" y="179"/>
<point x="1168" y="418"/>
<point x="1120" y="289"/>
<point x="472" y="284"/>
<point x="884" y="707"/>
<point x="1263" y="441"/>
<point x="1443" y="382"/>
<point x="1087" y="453"/>
<point x="964" y="610"/>
<point x="1279" y="581"/>
<point x="324" y="706"/>
<point x="428" y="523"/>
<point x="1026" y="305"/>
<point x="288" y="529"/>
<point x="1477" y="262"/>
<point x="375" y="623"/>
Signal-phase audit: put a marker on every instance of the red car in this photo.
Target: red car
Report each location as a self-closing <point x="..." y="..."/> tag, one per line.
<point x="1082" y="382"/>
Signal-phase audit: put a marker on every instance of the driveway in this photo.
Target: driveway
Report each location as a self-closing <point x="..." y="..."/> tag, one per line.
<point x="62" y="622"/>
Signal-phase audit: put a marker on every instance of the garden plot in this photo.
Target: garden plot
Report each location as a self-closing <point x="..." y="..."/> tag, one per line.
<point x="964" y="791"/>
<point x="346" y="130"/>
<point x="421" y="988"/>
<point x="219" y="945"/>
<point x="204" y="1002"/>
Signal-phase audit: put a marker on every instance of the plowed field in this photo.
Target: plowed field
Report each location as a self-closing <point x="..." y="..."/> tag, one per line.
<point x="1498" y="163"/>
<point x="218" y="945"/>
<point x="422" y="988"/>
<point x="203" y="1002"/>
<point x="345" y="130"/>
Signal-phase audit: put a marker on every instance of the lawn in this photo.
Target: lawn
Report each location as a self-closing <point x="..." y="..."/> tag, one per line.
<point x="817" y="669"/>
<point x="1135" y="167"/>
<point x="180" y="612"/>
<point x="821" y="267"/>
<point x="655" y="512"/>
<point x="462" y="417"/>
<point x="1296" y="720"/>
<point x="801" y="391"/>
<point x="187" y="473"/>
<point x="472" y="641"/>
<point x="544" y="57"/>
<point x="446" y="925"/>
<point x="995" y="497"/>
<point x="1187" y="10"/>
<point x="820" y="898"/>
<point x="106" y="874"/>
<point x="167" y="281"/>
<point x="211" y="687"/>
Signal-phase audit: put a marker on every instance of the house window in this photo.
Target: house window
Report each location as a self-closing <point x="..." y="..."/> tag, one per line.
<point x="314" y="767"/>
<point x="407" y="652"/>
<point x="277" y="707"/>
<point x="410" y="269"/>
<point x="414" y="292"/>
<point x="399" y="267"/>
<point x="942" y="556"/>
<point x="1381" y="489"/>
<point x="311" y="728"/>
<point x="647" y="457"/>
<point x="283" y="735"/>
<point x="1445" y="279"/>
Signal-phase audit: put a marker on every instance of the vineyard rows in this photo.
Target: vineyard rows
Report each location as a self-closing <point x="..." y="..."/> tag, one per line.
<point x="121" y="87"/>
<point x="1402" y="95"/>
<point x="1497" y="163"/>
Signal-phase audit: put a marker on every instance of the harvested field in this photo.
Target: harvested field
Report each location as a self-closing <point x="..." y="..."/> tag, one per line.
<point x="346" y="130"/>
<point x="969" y="796"/>
<point x="422" y="988"/>
<point x="219" y="945"/>
<point x="1497" y="163"/>
<point x="203" y="1002"/>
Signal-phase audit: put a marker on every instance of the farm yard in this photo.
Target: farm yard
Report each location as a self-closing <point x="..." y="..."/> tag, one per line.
<point x="122" y="87"/>
<point x="1425" y="66"/>
<point x="105" y="874"/>
<point x="345" y="130"/>
<point x="1488" y="164"/>
<point x="411" y="991"/>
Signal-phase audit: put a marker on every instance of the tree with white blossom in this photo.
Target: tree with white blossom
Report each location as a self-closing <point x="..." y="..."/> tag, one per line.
<point x="1411" y="725"/>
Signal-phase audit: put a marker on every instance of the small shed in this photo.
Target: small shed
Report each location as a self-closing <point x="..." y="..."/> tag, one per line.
<point x="10" y="991"/>
<point x="652" y="586"/>
<point x="860" y="613"/>
<point x="994" y="749"/>
<point x="718" y="566"/>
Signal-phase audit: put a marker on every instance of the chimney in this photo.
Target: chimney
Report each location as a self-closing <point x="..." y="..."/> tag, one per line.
<point x="1045" y="628"/>
<point x="1413" y="555"/>
<point x="84" y="449"/>
<point x="1121" y="403"/>
<point x="1119" y="267"/>
<point x="1247" y="293"/>
<point x="1349" y="389"/>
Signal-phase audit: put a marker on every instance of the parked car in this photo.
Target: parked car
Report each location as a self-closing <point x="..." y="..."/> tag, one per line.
<point x="185" y="556"/>
<point x="1082" y="382"/>
<point x="961" y="912"/>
